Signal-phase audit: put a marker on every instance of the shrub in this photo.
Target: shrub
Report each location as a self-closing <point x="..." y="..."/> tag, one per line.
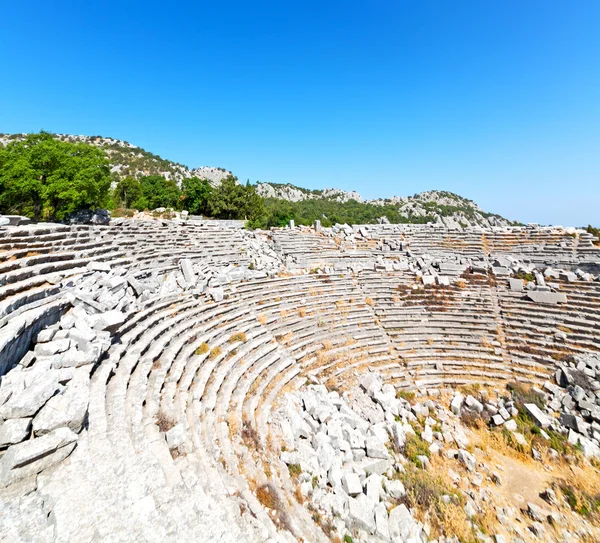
<point x="295" y="470"/>
<point x="164" y="422"/>
<point x="203" y="349"/>
<point x="581" y="500"/>
<point x="525" y="276"/>
<point x="250" y="436"/>
<point x="214" y="352"/>
<point x="267" y="495"/>
<point x="238" y="337"/>
<point x="407" y="395"/>
<point x="523" y="394"/>
<point x="414" y="447"/>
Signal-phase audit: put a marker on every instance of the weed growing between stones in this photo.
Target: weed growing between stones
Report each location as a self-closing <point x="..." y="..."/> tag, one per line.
<point x="215" y="352"/>
<point x="238" y="337"/>
<point x="203" y="349"/>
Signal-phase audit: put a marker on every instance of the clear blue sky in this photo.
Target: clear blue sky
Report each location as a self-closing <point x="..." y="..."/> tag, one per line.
<point x="496" y="100"/>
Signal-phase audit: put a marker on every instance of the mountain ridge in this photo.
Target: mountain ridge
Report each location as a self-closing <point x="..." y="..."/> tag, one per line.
<point x="440" y="207"/>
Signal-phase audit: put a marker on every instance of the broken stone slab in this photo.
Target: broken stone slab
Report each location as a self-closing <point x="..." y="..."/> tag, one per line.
<point x="511" y="425"/>
<point x="541" y="297"/>
<point x="376" y="449"/>
<point x="74" y="358"/>
<point x="51" y="348"/>
<point x="109" y="321"/>
<point x="500" y="271"/>
<point x="539" y="417"/>
<point x="376" y="466"/>
<point x="188" y="271"/>
<point x="98" y="266"/>
<point x="467" y="459"/>
<point x="217" y="294"/>
<point x="175" y="436"/>
<point x="35" y="455"/>
<point x="66" y="409"/>
<point x="361" y="513"/>
<point x="402" y="525"/>
<point x="456" y="404"/>
<point x="516" y="285"/>
<point x="382" y="528"/>
<point x="395" y="489"/>
<point x="351" y="484"/>
<point x="29" y="401"/>
<point x="14" y="431"/>
<point x="473" y="404"/>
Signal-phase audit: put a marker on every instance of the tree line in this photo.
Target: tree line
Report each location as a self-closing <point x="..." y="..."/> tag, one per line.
<point x="48" y="179"/>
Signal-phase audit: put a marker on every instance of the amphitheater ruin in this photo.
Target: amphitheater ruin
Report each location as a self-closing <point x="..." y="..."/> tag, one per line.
<point x="170" y="380"/>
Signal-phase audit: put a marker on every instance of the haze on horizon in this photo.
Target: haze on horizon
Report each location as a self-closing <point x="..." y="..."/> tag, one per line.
<point x="497" y="102"/>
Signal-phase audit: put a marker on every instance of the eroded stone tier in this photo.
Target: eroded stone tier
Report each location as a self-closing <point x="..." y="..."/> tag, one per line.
<point x="141" y="362"/>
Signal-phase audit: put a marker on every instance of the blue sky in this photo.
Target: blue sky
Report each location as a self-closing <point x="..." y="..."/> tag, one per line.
<point x="498" y="101"/>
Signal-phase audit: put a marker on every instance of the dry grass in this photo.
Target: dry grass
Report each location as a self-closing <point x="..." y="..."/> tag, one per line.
<point x="239" y="337"/>
<point x="369" y="301"/>
<point x="485" y="342"/>
<point x="203" y="349"/>
<point x="262" y="318"/>
<point x="215" y="352"/>
<point x="302" y="311"/>
<point x="581" y="490"/>
<point x="268" y="496"/>
<point x="250" y="436"/>
<point x="164" y="422"/>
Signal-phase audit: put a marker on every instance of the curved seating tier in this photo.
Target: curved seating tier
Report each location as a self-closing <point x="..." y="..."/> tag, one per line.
<point x="179" y="412"/>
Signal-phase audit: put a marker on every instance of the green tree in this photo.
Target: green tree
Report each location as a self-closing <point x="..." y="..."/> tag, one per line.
<point x="231" y="200"/>
<point x="127" y="191"/>
<point x="196" y="194"/>
<point x="42" y="175"/>
<point x="158" y="192"/>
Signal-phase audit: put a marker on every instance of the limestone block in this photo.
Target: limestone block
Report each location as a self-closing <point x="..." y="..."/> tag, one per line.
<point x="541" y="297"/>
<point x="351" y="484"/>
<point x="217" y="294"/>
<point x="381" y="521"/>
<point x="395" y="489"/>
<point x="467" y="459"/>
<point x="68" y="408"/>
<point x="51" y="348"/>
<point x="28" y="402"/>
<point x="376" y="449"/>
<point x="14" y="431"/>
<point x="361" y="512"/>
<point x="175" y="436"/>
<point x="109" y="321"/>
<point x="456" y="404"/>
<point x="540" y="418"/>
<point x="34" y="455"/>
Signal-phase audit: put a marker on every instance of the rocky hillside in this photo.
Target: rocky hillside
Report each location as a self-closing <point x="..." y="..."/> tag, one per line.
<point x="435" y="206"/>
<point x="441" y="207"/>
<point x="127" y="159"/>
